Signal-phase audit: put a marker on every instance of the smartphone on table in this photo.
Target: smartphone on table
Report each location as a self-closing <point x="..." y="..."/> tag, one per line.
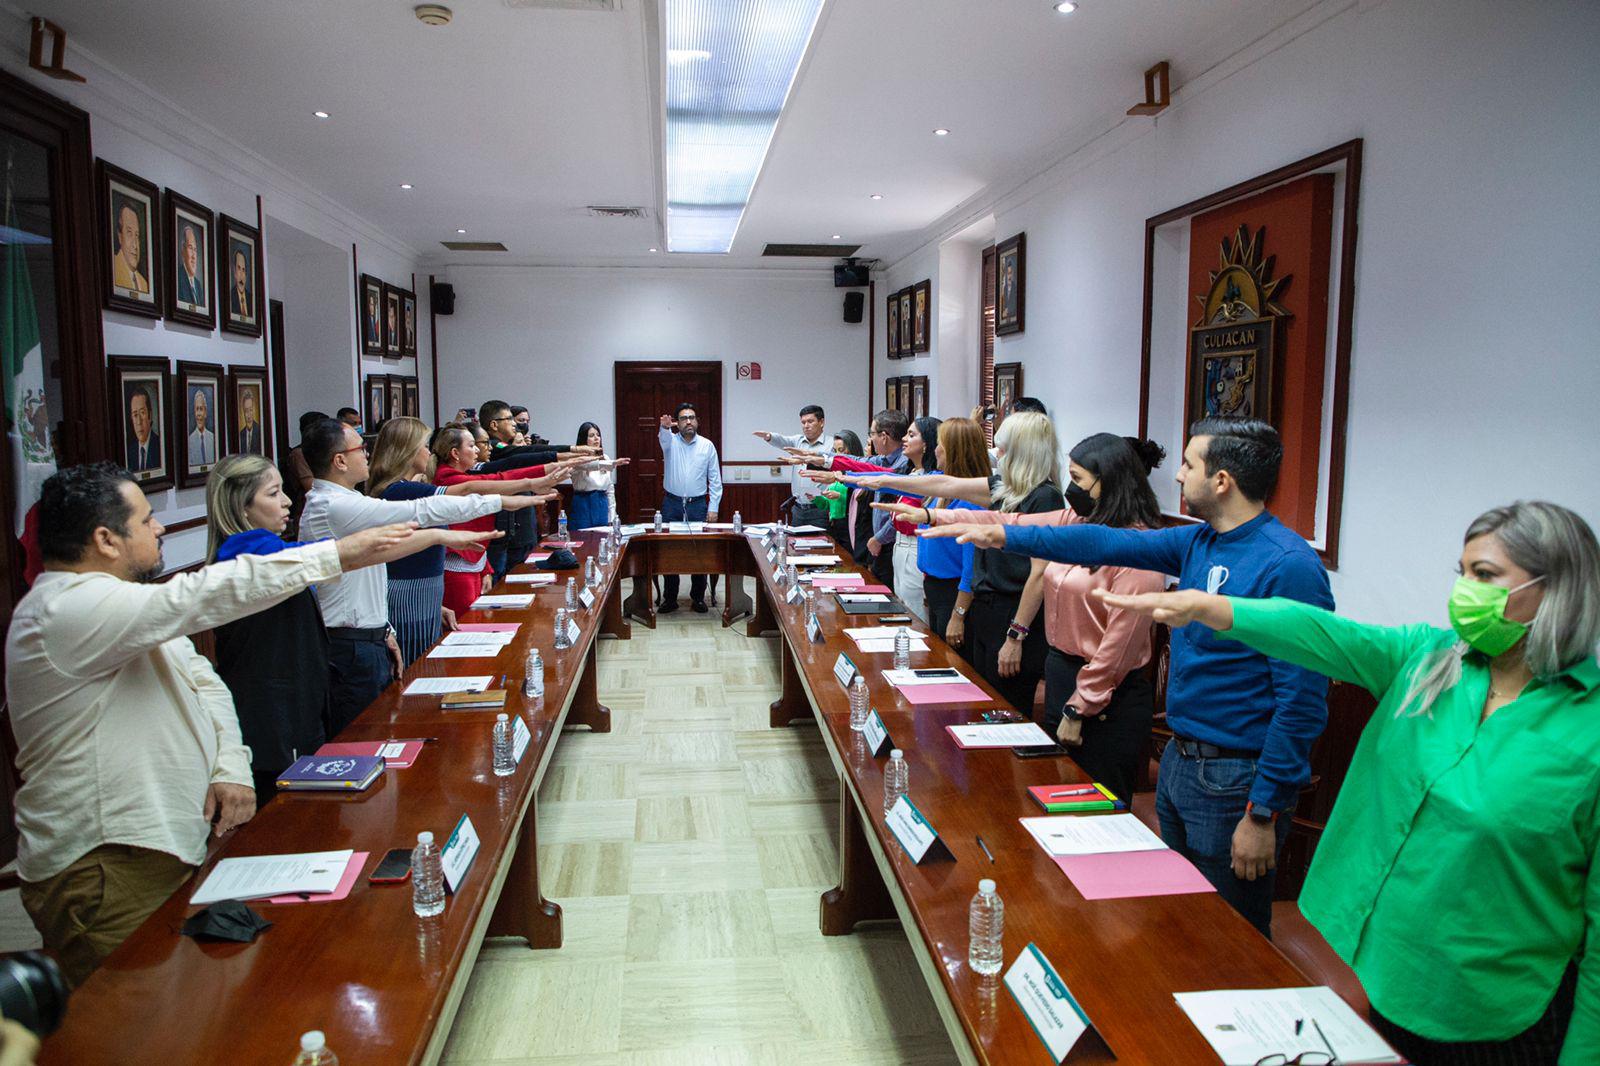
<point x="1040" y="751"/>
<point x="395" y="867"/>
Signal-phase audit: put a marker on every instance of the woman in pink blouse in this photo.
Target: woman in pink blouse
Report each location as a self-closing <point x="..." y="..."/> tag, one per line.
<point x="1097" y="699"/>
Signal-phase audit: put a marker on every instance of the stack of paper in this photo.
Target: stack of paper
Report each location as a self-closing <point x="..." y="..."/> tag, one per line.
<point x="259" y="876"/>
<point x="545" y="578"/>
<point x="440" y="686"/>
<point x="925" y="687"/>
<point x="1114" y="856"/>
<point x="483" y="603"/>
<point x="999" y="735"/>
<point x="1247" y="1026"/>
<point x="811" y="560"/>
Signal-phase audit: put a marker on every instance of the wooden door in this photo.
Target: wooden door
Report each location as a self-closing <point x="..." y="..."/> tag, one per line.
<point x="644" y="392"/>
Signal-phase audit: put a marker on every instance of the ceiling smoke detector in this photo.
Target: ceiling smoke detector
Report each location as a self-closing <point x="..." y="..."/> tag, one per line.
<point x="433" y="14"/>
<point x="602" y="211"/>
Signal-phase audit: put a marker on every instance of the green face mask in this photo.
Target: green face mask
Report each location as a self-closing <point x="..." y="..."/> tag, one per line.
<point x="1478" y="615"/>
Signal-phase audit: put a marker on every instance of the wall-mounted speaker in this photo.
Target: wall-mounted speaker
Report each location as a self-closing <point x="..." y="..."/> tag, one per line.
<point x="444" y="298"/>
<point x="854" y="303"/>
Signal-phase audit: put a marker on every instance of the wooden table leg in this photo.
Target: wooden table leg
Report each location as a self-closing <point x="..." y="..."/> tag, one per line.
<point x="522" y="910"/>
<point x="612" y="620"/>
<point x="793" y="703"/>
<point x="586" y="707"/>
<point x="641" y="604"/>
<point x="763" y="621"/>
<point x="738" y="603"/>
<point x="860" y="895"/>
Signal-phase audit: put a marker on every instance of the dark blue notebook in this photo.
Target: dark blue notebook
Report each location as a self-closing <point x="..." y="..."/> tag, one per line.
<point x="331" y="772"/>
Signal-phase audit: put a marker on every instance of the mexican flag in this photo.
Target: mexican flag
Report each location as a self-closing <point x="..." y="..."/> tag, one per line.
<point x="22" y="359"/>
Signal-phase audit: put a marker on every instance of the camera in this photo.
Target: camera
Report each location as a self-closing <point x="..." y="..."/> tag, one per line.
<point x="32" y="992"/>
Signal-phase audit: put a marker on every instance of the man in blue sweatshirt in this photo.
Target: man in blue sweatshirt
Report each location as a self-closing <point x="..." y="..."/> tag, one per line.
<point x="1244" y="724"/>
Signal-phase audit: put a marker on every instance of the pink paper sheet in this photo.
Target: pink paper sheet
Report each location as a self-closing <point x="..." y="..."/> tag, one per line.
<point x="488" y="627"/>
<point x="537" y="557"/>
<point x="959" y="692"/>
<point x="1126" y="874"/>
<point x="881" y="590"/>
<point x="826" y="580"/>
<point x="413" y="748"/>
<point x="346" y="883"/>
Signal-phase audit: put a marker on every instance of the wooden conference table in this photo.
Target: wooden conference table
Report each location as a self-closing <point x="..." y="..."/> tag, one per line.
<point x="385" y="985"/>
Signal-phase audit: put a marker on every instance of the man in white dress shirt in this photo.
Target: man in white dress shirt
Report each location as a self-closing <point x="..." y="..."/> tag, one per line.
<point x="363" y="655"/>
<point x="811" y="438"/>
<point x="128" y="745"/>
<point x="691" y="479"/>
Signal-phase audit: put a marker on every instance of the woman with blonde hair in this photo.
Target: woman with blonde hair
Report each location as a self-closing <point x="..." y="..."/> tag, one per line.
<point x="275" y="662"/>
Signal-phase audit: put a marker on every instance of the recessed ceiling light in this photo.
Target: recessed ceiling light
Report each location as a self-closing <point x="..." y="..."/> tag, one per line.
<point x="461" y="231"/>
<point x="655" y="249"/>
<point x="941" y="132"/>
<point x="877" y="196"/>
<point x="1066" y="7"/>
<point x="835" y="236"/>
<point x="405" y="185"/>
<point x="320" y="114"/>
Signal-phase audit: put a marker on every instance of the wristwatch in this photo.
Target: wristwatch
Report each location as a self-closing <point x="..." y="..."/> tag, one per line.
<point x="1260" y="817"/>
<point x="961" y="612"/>
<point x="1071" y="713"/>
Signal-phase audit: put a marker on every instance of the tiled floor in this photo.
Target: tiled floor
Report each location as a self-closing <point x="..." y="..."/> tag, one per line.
<point x="688" y="849"/>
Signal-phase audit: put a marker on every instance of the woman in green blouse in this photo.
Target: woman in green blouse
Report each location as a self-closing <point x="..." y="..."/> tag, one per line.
<point x="1458" y="872"/>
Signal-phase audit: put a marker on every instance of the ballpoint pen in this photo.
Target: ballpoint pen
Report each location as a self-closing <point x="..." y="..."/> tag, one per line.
<point x="1091" y="790"/>
<point x="985" y="848"/>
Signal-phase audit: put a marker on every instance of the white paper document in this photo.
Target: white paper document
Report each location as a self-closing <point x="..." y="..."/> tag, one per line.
<point x="805" y="529"/>
<point x="461" y="637"/>
<point x="503" y="600"/>
<point x="1245" y="1026"/>
<point x="812" y="560"/>
<point x="905" y="678"/>
<point x="466" y="651"/>
<point x="1069" y="834"/>
<point x="443" y="686"/>
<point x="259" y="876"/>
<point x="863" y="597"/>
<point x="860" y="633"/>
<point x="1001" y="735"/>
<point x="878" y="645"/>
<point x="546" y="578"/>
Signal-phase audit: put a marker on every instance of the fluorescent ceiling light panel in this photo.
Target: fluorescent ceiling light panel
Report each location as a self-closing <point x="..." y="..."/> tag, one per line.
<point x="730" y="66"/>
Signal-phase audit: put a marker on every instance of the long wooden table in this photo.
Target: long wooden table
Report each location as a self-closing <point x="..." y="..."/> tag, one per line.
<point x="384" y="985"/>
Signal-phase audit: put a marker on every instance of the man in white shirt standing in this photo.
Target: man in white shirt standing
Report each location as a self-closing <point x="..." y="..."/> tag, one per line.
<point x="363" y="655"/>
<point x="811" y="438"/>
<point x="691" y="480"/>
<point x="128" y="745"/>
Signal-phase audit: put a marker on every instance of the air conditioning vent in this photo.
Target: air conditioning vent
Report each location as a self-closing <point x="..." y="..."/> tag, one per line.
<point x="811" y="251"/>
<point x="474" y="246"/>
<point x="602" y="211"/>
<point x="567" y="5"/>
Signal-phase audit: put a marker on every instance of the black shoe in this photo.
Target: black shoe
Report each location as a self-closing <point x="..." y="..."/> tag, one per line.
<point x="666" y="608"/>
<point x="699" y="606"/>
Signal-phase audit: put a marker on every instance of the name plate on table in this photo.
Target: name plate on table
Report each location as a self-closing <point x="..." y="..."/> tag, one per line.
<point x="766" y="538"/>
<point x="876" y="734"/>
<point x="458" y="852"/>
<point x="1046" y="1003"/>
<point x="572" y="632"/>
<point x="914" y="832"/>
<point x="795" y="595"/>
<point x="772" y="553"/>
<point x="520" y="738"/>
<point x="586" y="598"/>
<point x="814" y="630"/>
<point x="844" y="671"/>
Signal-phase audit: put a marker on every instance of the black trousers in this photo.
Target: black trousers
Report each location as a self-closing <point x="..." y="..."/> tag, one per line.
<point x="358" y="670"/>
<point x="1537" y="1045"/>
<point x="941" y="593"/>
<point x="991" y="613"/>
<point x="1116" y="739"/>
<point x="882" y="565"/>
<point x="678" y="509"/>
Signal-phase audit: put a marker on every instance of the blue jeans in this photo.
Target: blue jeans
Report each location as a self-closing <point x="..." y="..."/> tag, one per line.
<point x="677" y="509"/>
<point x="1200" y="803"/>
<point x="590" y="509"/>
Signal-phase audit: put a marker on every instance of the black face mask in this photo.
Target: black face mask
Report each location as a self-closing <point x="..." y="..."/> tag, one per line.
<point x="1079" y="500"/>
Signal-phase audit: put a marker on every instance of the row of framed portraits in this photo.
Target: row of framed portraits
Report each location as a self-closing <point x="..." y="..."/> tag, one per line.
<point x="1010" y="284"/>
<point x="167" y="256"/>
<point x="388" y="318"/>
<point x="174" y="426"/>
<point x="910" y="314"/>
<point x="390" y="396"/>
<point x="907" y="394"/>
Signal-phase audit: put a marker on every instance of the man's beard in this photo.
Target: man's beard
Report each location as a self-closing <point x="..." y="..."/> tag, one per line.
<point x="1202" y="508"/>
<point x="146" y="577"/>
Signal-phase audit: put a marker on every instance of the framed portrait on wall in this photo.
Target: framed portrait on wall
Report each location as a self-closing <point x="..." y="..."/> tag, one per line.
<point x="1010" y="284"/>
<point x="391" y="320"/>
<point x="128" y="221"/>
<point x="1007" y="387"/>
<point x="905" y="395"/>
<point x="199" y="414"/>
<point x="919" y="397"/>
<point x="239" y="276"/>
<point x="891" y="394"/>
<point x="891" y="317"/>
<point x="377" y="395"/>
<point x="369" y="298"/>
<point x="247" y="412"/>
<point x="921" y="310"/>
<point x="408" y="323"/>
<point x="141" y="392"/>
<point x="413" y="398"/>
<point x="907" y="342"/>
<point x="190" y="248"/>
<point x="395" y="405"/>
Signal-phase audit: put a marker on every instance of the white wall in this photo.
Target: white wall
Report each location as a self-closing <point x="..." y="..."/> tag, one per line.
<point x="547" y="337"/>
<point x="1474" y="371"/>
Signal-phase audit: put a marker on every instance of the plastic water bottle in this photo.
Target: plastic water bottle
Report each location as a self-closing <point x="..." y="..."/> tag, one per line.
<point x="591" y="577"/>
<point x="658" y="522"/>
<point x="572" y="594"/>
<point x="738" y="522"/>
<point x="902" y="648"/>
<point x="616" y="528"/>
<point x="605" y="551"/>
<point x="858" y="703"/>
<point x="504" y="764"/>
<point x="986" y="923"/>
<point x="533" y="675"/>
<point x="562" y="642"/>
<point x="561" y="525"/>
<point x="427" y="878"/>
<point x="314" y="1050"/>
<point x="896" y="779"/>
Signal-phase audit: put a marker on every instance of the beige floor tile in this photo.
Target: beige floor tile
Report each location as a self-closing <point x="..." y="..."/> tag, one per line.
<point x="538" y="1007"/>
<point x="571" y="780"/>
<point x="692" y="778"/>
<point x="593" y="928"/>
<point x="796" y="922"/>
<point x="808" y="815"/>
<point x="797" y="742"/>
<point x="602" y="869"/>
<point x="873" y="991"/>
<point x="596" y="748"/>
<point x="664" y="819"/>
<point x="790" y="777"/>
<point x="931" y="1050"/>
<point x="700" y="1055"/>
<point x="715" y="1002"/>
<point x="798" y="860"/>
<point x="699" y="925"/>
<point x="690" y="695"/>
<point x="686" y="747"/>
<point x="587" y="820"/>
<point x="695" y="866"/>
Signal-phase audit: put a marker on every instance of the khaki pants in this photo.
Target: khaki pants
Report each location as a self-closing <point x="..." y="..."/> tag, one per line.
<point x="93" y="905"/>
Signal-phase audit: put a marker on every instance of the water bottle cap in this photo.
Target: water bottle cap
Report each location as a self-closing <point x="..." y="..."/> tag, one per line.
<point x="424" y="837"/>
<point x="313" y="1041"/>
<point x="986" y="886"/>
<point x="896" y="754"/>
<point x="500" y="718"/>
